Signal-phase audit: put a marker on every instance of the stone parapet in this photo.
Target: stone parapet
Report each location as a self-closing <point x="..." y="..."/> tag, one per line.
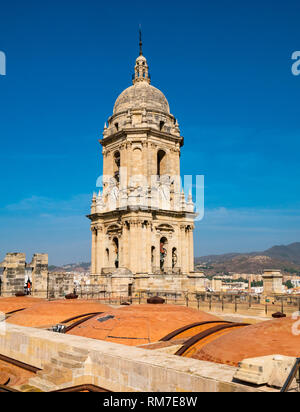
<point x="116" y="367"/>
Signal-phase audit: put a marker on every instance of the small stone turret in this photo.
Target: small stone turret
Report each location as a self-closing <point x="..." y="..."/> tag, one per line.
<point x="272" y="282"/>
<point x="141" y="70"/>
<point x="190" y="204"/>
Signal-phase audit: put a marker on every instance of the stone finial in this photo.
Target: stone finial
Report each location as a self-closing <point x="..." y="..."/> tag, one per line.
<point x="190" y="203"/>
<point x="182" y="201"/>
<point x="99" y="203"/>
<point x="93" y="206"/>
<point x="105" y="130"/>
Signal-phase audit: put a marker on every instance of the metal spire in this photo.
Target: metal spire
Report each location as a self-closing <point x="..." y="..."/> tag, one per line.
<point x="141" y="43"/>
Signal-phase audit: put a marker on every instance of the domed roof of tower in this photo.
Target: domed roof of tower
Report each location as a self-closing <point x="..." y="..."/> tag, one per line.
<point x="141" y="95"/>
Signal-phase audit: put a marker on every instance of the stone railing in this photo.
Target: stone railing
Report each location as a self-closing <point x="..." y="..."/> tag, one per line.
<point x="156" y="270"/>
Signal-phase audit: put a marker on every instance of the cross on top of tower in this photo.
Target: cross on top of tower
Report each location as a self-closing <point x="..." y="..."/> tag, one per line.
<point x="141" y="43"/>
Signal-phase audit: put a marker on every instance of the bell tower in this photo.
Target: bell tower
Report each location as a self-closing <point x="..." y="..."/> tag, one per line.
<point x="141" y="222"/>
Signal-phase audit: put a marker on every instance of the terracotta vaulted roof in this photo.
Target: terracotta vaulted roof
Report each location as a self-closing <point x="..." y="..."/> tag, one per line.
<point x="46" y="314"/>
<point x="15" y="303"/>
<point x="13" y="375"/>
<point x="265" y="338"/>
<point x="200" y="335"/>
<point x="138" y="325"/>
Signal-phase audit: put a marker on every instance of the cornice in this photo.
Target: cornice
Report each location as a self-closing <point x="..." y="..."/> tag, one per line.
<point x="122" y="135"/>
<point x="119" y="213"/>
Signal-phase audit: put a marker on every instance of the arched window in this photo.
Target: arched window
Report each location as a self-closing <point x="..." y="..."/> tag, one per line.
<point x="117" y="165"/>
<point x="161" y="160"/>
<point x="107" y="256"/>
<point x="163" y="252"/>
<point x="174" y="257"/>
<point x="137" y="162"/>
<point x="153" y="255"/>
<point x="116" y="251"/>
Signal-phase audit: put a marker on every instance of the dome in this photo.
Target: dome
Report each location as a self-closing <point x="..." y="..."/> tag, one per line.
<point x="12" y="304"/>
<point x="139" y="324"/>
<point x="13" y="374"/>
<point x="47" y="314"/>
<point x="141" y="96"/>
<point x="263" y="339"/>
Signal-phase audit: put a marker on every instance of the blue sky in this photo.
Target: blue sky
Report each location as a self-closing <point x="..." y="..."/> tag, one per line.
<point x="225" y="68"/>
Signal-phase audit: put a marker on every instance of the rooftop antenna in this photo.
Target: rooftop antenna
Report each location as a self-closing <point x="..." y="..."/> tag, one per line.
<point x="141" y="43"/>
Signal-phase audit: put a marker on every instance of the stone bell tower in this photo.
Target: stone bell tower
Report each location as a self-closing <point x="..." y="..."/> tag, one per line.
<point x="141" y="222"/>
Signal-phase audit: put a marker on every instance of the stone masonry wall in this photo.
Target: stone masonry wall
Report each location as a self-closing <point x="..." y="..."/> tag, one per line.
<point x="60" y="284"/>
<point x="13" y="277"/>
<point x="39" y="266"/>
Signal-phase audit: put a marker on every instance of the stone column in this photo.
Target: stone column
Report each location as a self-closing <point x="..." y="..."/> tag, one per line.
<point x="157" y="249"/>
<point x="126" y="248"/>
<point x="149" y="248"/>
<point x="140" y="247"/>
<point x="183" y="242"/>
<point x="94" y="255"/>
<point x="129" y="162"/>
<point x="187" y="254"/>
<point x="191" y="249"/>
<point x="133" y="246"/>
<point x="168" y="263"/>
<point x="122" y="246"/>
<point x="144" y="250"/>
<point x="124" y="170"/>
<point x="99" y="251"/>
<point x="39" y="266"/>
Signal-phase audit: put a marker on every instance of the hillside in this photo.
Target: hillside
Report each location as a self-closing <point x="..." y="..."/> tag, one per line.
<point x="285" y="258"/>
<point x="71" y="267"/>
<point x="289" y="253"/>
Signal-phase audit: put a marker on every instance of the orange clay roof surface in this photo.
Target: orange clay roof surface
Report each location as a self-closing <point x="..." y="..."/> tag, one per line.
<point x="141" y="324"/>
<point x="46" y="314"/>
<point x="265" y="338"/>
<point x="16" y="303"/>
<point x="17" y="376"/>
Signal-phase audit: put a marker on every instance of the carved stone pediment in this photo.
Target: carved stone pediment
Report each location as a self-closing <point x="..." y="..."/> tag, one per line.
<point x="114" y="229"/>
<point x="165" y="228"/>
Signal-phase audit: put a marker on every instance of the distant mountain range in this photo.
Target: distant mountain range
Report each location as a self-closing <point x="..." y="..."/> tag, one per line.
<point x="71" y="267"/>
<point x="285" y="258"/>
